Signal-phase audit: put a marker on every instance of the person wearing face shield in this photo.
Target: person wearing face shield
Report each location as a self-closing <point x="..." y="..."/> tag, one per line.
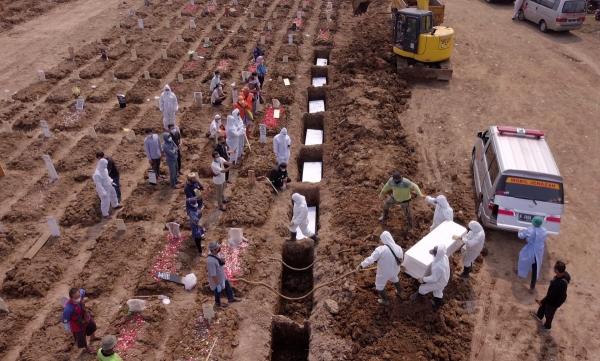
<point x="239" y="124"/>
<point x="171" y="149"/>
<point x="217" y="279"/>
<point x="437" y="281"/>
<point x="388" y="258"/>
<point x="401" y="188"/>
<point x="443" y="212"/>
<point x="167" y="103"/>
<point x="473" y="240"/>
<point x="78" y="320"/>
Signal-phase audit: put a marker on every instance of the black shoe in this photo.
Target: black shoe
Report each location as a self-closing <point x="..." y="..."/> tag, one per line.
<point x="292" y="237"/>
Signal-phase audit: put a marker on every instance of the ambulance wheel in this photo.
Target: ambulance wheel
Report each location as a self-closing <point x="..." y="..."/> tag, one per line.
<point x="521" y="15"/>
<point x="543" y="27"/>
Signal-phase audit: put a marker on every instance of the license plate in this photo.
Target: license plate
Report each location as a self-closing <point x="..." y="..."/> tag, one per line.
<point x="572" y="20"/>
<point x="444" y="43"/>
<point x="525" y="217"/>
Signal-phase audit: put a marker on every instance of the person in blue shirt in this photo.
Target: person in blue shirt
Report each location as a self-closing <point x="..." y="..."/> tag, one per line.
<point x="531" y="256"/>
<point x="79" y="321"/>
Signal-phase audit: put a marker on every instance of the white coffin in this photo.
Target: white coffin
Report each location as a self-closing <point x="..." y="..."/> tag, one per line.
<point x="312" y="222"/>
<point x="314" y="137"/>
<point x="312" y="172"/>
<point x="417" y="260"/>
<point x="315" y="106"/>
<point x="321" y="62"/>
<point x="319" y="81"/>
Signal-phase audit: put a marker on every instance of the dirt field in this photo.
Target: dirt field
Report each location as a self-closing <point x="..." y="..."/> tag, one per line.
<point x="507" y="73"/>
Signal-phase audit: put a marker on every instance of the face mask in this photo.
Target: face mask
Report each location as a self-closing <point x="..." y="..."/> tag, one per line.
<point x="77" y="300"/>
<point x="170" y="139"/>
<point x="173" y="131"/>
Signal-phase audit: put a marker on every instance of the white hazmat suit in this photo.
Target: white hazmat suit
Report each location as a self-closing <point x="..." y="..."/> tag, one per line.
<point x="281" y="146"/>
<point x="387" y="266"/>
<point x="443" y="211"/>
<point x="300" y="216"/>
<point x="239" y="123"/>
<point x="233" y="135"/>
<point x="104" y="187"/>
<point x="473" y="241"/>
<point x="168" y="106"/>
<point x="440" y="274"/>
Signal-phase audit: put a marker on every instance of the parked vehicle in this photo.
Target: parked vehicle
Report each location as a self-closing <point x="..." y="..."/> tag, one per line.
<point x="516" y="178"/>
<point x="557" y="15"/>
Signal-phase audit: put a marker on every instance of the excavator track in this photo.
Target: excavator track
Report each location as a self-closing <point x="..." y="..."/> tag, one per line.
<point x="418" y="70"/>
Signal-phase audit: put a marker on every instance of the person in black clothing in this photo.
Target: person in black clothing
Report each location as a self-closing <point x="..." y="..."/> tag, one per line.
<point x="258" y="51"/>
<point x="556" y="296"/>
<point x="224" y="152"/>
<point x="176" y="135"/>
<point x="194" y="189"/>
<point x="279" y="175"/>
<point x="113" y="172"/>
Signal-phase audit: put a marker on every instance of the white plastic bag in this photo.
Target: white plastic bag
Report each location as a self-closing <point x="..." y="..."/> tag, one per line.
<point x="236" y="235"/>
<point x="136" y="305"/>
<point x="190" y="281"/>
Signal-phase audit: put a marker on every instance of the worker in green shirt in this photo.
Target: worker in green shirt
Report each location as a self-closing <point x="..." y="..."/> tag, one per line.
<point x="400" y="195"/>
<point x="106" y="351"/>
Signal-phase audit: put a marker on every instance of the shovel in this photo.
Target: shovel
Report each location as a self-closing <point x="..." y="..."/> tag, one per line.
<point x="165" y="299"/>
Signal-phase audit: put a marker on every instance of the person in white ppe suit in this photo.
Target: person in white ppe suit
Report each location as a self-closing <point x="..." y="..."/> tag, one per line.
<point x="281" y="146"/>
<point x="168" y="106"/>
<point x="388" y="258"/>
<point x="233" y="134"/>
<point x="473" y="240"/>
<point x="239" y="123"/>
<point x="105" y="189"/>
<point x="443" y="212"/>
<point x="531" y="256"/>
<point x="300" y="219"/>
<point x="437" y="281"/>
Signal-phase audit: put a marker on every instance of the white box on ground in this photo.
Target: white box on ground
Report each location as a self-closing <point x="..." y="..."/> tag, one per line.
<point x="319" y="81"/>
<point x="312" y="222"/>
<point x="314" y="137"/>
<point x="312" y="172"/>
<point x="417" y="260"/>
<point x="321" y="62"/>
<point x="315" y="106"/>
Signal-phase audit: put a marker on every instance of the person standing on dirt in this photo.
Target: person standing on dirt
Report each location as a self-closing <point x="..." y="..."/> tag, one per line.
<point x="107" y="349"/>
<point x="218" y="169"/>
<point x="216" y="80"/>
<point x="178" y="139"/>
<point x="300" y="219"/>
<point x="401" y="188"/>
<point x="279" y="176"/>
<point x="193" y="188"/>
<point x="194" y="210"/>
<point x="154" y="151"/>
<point x="518" y="4"/>
<point x="555" y="297"/>
<point x="388" y="258"/>
<point x="443" y="212"/>
<point x="217" y="279"/>
<point x="113" y="173"/>
<point x="261" y="70"/>
<point x="233" y="134"/>
<point x="239" y="123"/>
<point x="281" y="146"/>
<point x="244" y="106"/>
<point x="258" y="51"/>
<point x="531" y="256"/>
<point x="106" y="190"/>
<point x="437" y="281"/>
<point x="79" y="321"/>
<point x="474" y="241"/>
<point x="224" y="152"/>
<point x="168" y="106"/>
<point x="171" y="149"/>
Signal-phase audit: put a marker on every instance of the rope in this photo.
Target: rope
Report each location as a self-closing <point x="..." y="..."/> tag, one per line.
<point x="306" y="295"/>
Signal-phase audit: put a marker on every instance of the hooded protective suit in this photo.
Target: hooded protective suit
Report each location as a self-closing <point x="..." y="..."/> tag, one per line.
<point x="473" y="241"/>
<point x="106" y="192"/>
<point x="168" y="106"/>
<point x="533" y="251"/>
<point x="387" y="266"/>
<point x="443" y="211"/>
<point x="233" y="136"/>
<point x="281" y="146"/>
<point x="300" y="216"/>
<point x="440" y="274"/>
<point x="239" y="122"/>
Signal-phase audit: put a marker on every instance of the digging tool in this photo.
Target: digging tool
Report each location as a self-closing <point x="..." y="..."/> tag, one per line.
<point x="275" y="189"/>
<point x="247" y="142"/>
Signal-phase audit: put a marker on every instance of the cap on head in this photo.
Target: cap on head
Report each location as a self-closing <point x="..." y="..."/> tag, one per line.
<point x="397" y="176"/>
<point x="537" y="221"/>
<point x="192" y="175"/>
<point x="108" y="342"/>
<point x="213" y="245"/>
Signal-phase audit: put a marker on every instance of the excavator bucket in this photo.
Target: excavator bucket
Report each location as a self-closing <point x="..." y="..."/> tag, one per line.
<point x="360" y="6"/>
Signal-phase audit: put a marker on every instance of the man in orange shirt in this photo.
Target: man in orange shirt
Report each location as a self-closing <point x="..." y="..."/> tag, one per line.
<point x="244" y="105"/>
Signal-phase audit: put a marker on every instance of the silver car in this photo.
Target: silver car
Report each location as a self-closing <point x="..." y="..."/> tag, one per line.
<point x="557" y="15"/>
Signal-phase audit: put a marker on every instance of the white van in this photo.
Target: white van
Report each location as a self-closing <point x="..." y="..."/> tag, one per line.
<point x="557" y="15"/>
<point x="515" y="179"/>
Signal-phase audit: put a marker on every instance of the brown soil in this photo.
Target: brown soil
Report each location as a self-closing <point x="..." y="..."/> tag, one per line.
<point x="143" y="90"/>
<point x="34" y="91"/>
<point x="249" y="205"/>
<point x="117" y="118"/>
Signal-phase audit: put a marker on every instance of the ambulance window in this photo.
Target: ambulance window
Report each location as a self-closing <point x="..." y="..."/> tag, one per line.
<point x="485" y="137"/>
<point x="492" y="163"/>
<point x="527" y="188"/>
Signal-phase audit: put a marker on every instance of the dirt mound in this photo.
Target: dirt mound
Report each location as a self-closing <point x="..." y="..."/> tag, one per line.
<point x="126" y="68"/>
<point x="31" y="119"/>
<point x="261" y="161"/>
<point x="248" y="206"/>
<point x="143" y="90"/>
<point x="34" y="91"/>
<point x="136" y="210"/>
<point x="117" y="118"/>
<point x="96" y="69"/>
<point x="85" y="210"/>
<point x="161" y="67"/>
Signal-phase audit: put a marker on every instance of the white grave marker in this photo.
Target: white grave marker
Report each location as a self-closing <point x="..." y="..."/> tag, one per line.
<point x="50" y="166"/>
<point x="269" y="26"/>
<point x="79" y="104"/>
<point x="123" y="40"/>
<point x="7" y="127"/>
<point x="120" y="225"/>
<point x="170" y="2"/>
<point x="192" y="2"/>
<point x="260" y="4"/>
<point x="152" y="177"/>
<point x="45" y="128"/>
<point x="71" y="52"/>
<point x="234" y="95"/>
<point x="329" y="5"/>
<point x="42" y="75"/>
<point x="147" y="75"/>
<point x="141" y="23"/>
<point x="179" y="14"/>
<point x="244" y="25"/>
<point x="208" y="311"/>
<point x="304" y="5"/>
<point x="179" y="39"/>
<point x="8" y="96"/>
<point x="274" y="14"/>
<point x="131" y="135"/>
<point x="133" y="55"/>
<point x="167" y="23"/>
<point x="207" y="40"/>
<point x="285" y="58"/>
<point x="251" y="15"/>
<point x="290" y="39"/>
<point x="279" y="79"/>
<point x="262" y="40"/>
<point x="328" y="17"/>
<point x="218" y="26"/>
<point x="76" y="75"/>
<point x="245" y="75"/>
<point x="263" y="133"/>
<point x="276" y="113"/>
<point x="93" y="133"/>
<point x="276" y="103"/>
<point x="198" y="99"/>
<point x="53" y="226"/>
<point x="192" y="24"/>
<point x="286" y="82"/>
<point x="180" y="78"/>
<point x="299" y="14"/>
<point x="1" y="229"/>
<point x="164" y="54"/>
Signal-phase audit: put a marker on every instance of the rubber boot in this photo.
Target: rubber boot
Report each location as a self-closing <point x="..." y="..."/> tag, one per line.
<point x="292" y="237"/>
<point x="410" y="226"/>
<point x="437" y="303"/>
<point x="415" y="296"/>
<point x="398" y="289"/>
<point x="384" y="298"/>
<point x="466" y="271"/>
<point x="315" y="238"/>
<point x="384" y="216"/>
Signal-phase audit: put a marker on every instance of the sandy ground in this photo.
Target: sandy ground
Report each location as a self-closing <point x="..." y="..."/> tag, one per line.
<point x="507" y="73"/>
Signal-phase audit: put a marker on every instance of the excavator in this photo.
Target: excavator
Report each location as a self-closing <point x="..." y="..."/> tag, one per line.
<point x="422" y="49"/>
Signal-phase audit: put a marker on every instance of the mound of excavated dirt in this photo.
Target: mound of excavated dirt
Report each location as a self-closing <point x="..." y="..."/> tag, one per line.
<point x="247" y="206"/>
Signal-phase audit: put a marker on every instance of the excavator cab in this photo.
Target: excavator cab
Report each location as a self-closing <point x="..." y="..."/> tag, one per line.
<point x="409" y="24"/>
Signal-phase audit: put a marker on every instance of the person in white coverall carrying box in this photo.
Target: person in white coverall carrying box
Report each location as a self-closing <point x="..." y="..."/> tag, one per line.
<point x="437" y="281"/>
<point x="473" y="240"/>
<point x="388" y="258"/>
